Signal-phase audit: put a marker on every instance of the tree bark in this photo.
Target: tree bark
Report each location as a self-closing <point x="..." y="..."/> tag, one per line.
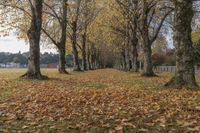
<point x="93" y="56"/>
<point x="84" y="56"/>
<point x="127" y="57"/>
<point x="148" y="66"/>
<point x="185" y="72"/>
<point x="89" y="57"/>
<point x="74" y="47"/>
<point x="98" y="59"/>
<point x="145" y="41"/>
<point x="134" y="38"/>
<point x="62" y="61"/>
<point x="123" y="54"/>
<point x="61" y="45"/>
<point x="33" y="34"/>
<point x="147" y="15"/>
<point x="134" y="56"/>
<point x="62" y="40"/>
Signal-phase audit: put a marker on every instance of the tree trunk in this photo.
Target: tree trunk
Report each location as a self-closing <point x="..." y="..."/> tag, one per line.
<point x="124" y="59"/>
<point x="61" y="45"/>
<point x="185" y="73"/>
<point x="145" y="41"/>
<point x="33" y="34"/>
<point x="127" y="44"/>
<point x="127" y="57"/>
<point x="147" y="38"/>
<point x="134" y="57"/>
<point x="74" y="47"/>
<point x="134" y="41"/>
<point x="62" y="41"/>
<point x="148" y="67"/>
<point x="93" y="56"/>
<point x="134" y="38"/>
<point x="62" y="61"/>
<point x="84" y="36"/>
<point x="98" y="59"/>
<point x="89" y="58"/>
<point x="76" y="59"/>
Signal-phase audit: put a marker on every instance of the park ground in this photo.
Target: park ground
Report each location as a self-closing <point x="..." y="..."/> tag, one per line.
<point x="101" y="101"/>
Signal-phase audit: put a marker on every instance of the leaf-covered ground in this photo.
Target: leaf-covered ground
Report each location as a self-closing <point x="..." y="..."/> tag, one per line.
<point x="102" y="101"/>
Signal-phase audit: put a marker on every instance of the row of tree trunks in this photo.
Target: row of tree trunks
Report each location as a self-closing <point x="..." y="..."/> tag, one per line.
<point x="185" y="74"/>
<point x="129" y="58"/>
<point x="93" y="58"/>
<point x="129" y="54"/>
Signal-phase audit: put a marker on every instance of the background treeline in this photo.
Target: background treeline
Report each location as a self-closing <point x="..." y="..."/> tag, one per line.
<point x="166" y="58"/>
<point x="21" y="58"/>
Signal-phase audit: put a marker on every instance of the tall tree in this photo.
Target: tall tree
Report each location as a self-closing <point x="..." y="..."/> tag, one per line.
<point x="149" y="28"/>
<point x="58" y="39"/>
<point x="185" y="73"/>
<point x="74" y="36"/>
<point x="133" y="34"/>
<point x="34" y="34"/>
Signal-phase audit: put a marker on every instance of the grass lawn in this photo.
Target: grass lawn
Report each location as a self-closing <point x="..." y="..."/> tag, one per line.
<point x="101" y="101"/>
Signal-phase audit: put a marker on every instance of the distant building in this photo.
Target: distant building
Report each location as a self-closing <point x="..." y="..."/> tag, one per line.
<point x="2" y="65"/>
<point x="43" y="65"/>
<point x="12" y="65"/>
<point x="52" y="65"/>
<point x="18" y="65"/>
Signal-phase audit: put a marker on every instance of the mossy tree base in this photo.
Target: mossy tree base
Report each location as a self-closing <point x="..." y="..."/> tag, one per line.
<point x="77" y="70"/>
<point x="152" y="74"/>
<point x="63" y="72"/>
<point x="37" y="76"/>
<point x="178" y="83"/>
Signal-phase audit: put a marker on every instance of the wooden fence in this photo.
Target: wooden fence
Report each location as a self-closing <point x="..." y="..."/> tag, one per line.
<point x="171" y="69"/>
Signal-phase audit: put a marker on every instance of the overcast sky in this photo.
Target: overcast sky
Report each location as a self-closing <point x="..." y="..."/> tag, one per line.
<point x="13" y="45"/>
